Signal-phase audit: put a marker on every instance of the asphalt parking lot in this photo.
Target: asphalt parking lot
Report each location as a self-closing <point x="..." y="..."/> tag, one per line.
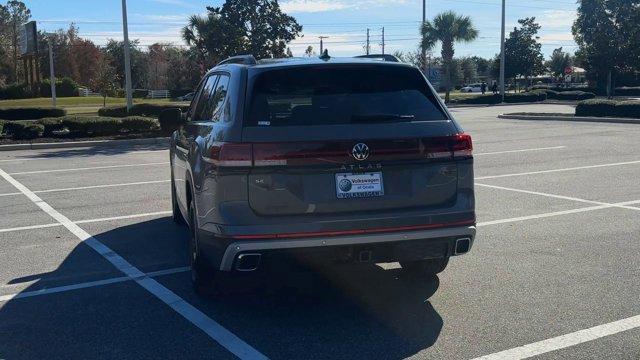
<point x="91" y="265"/>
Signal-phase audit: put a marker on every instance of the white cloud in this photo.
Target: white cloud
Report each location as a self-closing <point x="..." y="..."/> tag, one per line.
<point x="309" y="6"/>
<point x="557" y="19"/>
<point x="181" y="3"/>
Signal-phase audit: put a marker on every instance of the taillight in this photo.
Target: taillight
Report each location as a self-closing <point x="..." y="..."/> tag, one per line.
<point x="462" y="146"/>
<point x="230" y="154"/>
<point x="446" y="147"/>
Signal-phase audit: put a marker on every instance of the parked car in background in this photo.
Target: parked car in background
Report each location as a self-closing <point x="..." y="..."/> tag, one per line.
<point x="323" y="159"/>
<point x="187" y="97"/>
<point x="471" y="88"/>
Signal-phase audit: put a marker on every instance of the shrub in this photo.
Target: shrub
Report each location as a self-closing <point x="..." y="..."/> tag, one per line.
<point x="93" y="125"/>
<point x="610" y="108"/>
<point x="15" y="91"/>
<point x="148" y="110"/>
<point x="139" y="124"/>
<point x="1" y="126"/>
<point x="574" y="95"/>
<point x="65" y="87"/>
<point x="30" y="113"/>
<point x="140" y="93"/>
<point x="495" y="99"/>
<point x="51" y="125"/>
<point x="629" y="109"/>
<point x="170" y="120"/>
<point x="628" y="91"/>
<point x="24" y="130"/>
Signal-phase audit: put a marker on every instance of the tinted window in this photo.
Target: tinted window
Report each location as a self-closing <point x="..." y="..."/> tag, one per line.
<point x="200" y="113"/>
<point x="341" y="95"/>
<point x="218" y="97"/>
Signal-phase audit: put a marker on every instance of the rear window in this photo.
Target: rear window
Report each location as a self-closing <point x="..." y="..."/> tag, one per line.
<point x="341" y="95"/>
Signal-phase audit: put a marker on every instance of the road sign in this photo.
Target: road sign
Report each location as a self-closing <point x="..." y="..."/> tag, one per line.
<point x="568" y="70"/>
<point x="29" y="39"/>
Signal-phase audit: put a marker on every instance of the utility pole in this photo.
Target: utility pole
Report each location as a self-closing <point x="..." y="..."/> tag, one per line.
<point x="424" y="51"/>
<point x="127" y="56"/>
<point x="52" y="75"/>
<point x="502" y="54"/>
<point x="321" y="44"/>
<point x="368" y="46"/>
<point x="382" y="40"/>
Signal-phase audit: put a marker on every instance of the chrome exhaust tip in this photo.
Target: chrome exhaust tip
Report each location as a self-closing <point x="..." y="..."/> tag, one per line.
<point x="248" y="262"/>
<point x="463" y="245"/>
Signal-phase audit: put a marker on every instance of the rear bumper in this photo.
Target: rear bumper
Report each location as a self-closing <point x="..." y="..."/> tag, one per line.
<point x="394" y="245"/>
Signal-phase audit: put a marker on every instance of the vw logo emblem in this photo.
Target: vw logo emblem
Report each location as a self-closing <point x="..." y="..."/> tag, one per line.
<point x="360" y="152"/>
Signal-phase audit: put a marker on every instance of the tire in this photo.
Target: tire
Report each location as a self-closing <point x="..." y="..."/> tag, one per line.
<point x="427" y="267"/>
<point x="202" y="274"/>
<point x="176" y="214"/>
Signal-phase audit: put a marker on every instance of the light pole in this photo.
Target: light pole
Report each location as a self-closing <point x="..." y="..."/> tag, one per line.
<point x="52" y="75"/>
<point x="321" y="44"/>
<point x="502" y="55"/>
<point x="424" y="50"/>
<point x="127" y="56"/>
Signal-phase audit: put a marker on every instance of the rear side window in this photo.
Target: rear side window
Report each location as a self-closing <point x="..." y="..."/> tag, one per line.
<point x="341" y="95"/>
<point x="212" y="99"/>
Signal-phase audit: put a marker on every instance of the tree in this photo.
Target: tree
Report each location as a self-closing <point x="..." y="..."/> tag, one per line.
<point x="308" y="52"/>
<point x="5" y="44"/>
<point x="523" y="52"/>
<point x="74" y="56"/>
<point x="468" y="69"/>
<point x="256" y="27"/>
<point x="608" y="36"/>
<point x="447" y="28"/>
<point x="139" y="75"/>
<point x="483" y="66"/>
<point x="559" y="61"/>
<point x="105" y="80"/>
<point x="18" y="15"/>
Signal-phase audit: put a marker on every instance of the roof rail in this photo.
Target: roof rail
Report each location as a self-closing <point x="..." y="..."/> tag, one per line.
<point x="380" y="57"/>
<point x="239" y="59"/>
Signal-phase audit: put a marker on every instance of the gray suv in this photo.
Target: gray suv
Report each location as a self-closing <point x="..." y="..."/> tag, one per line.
<point x="330" y="159"/>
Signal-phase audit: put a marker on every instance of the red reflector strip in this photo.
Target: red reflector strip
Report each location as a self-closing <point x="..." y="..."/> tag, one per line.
<point x="351" y="232"/>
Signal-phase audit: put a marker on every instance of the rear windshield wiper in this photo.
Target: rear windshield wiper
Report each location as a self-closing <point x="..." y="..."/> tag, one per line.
<point x="373" y="118"/>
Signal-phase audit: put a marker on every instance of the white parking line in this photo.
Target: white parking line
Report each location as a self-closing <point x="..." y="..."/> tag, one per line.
<point x="84" y="285"/>
<point x="520" y="150"/>
<point x="557" y="196"/>
<point x="565" y="341"/>
<point x="90" y="187"/>
<point x="558" y="170"/>
<point x="218" y="333"/>
<point x="123" y="217"/>
<point x="556" y="213"/>
<point x="88" y="168"/>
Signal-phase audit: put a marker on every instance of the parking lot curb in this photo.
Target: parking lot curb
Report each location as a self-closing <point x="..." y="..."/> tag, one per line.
<point x="89" y="143"/>
<point x="571" y="118"/>
<point x="453" y="106"/>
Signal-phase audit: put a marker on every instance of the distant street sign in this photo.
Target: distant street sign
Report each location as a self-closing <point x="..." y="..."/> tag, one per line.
<point x="568" y="70"/>
<point x="29" y="39"/>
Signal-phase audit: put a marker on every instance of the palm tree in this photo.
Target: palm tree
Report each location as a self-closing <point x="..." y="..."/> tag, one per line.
<point x="447" y="28"/>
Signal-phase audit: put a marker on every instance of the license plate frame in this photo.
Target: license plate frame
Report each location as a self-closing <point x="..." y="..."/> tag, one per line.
<point x="357" y="185"/>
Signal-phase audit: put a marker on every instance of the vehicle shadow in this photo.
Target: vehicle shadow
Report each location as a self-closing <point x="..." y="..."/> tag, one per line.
<point x="96" y="150"/>
<point x="299" y="310"/>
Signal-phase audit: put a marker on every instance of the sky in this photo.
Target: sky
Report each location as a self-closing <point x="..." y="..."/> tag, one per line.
<point x="345" y="22"/>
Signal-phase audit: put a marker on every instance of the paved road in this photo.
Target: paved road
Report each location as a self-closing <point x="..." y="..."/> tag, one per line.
<point x="557" y="253"/>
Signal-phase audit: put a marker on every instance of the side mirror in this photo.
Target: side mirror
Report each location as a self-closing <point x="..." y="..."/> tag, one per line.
<point x="171" y="119"/>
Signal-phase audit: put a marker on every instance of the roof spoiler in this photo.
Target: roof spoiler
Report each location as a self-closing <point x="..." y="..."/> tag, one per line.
<point x="240" y="59"/>
<point x="380" y="57"/>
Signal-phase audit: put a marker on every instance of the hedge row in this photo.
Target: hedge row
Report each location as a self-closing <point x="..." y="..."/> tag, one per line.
<point x="79" y="126"/>
<point x="567" y="95"/>
<point x="30" y="113"/>
<point x="496" y="99"/>
<point x="608" y="108"/>
<point x="64" y="87"/>
<point x="150" y="110"/>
